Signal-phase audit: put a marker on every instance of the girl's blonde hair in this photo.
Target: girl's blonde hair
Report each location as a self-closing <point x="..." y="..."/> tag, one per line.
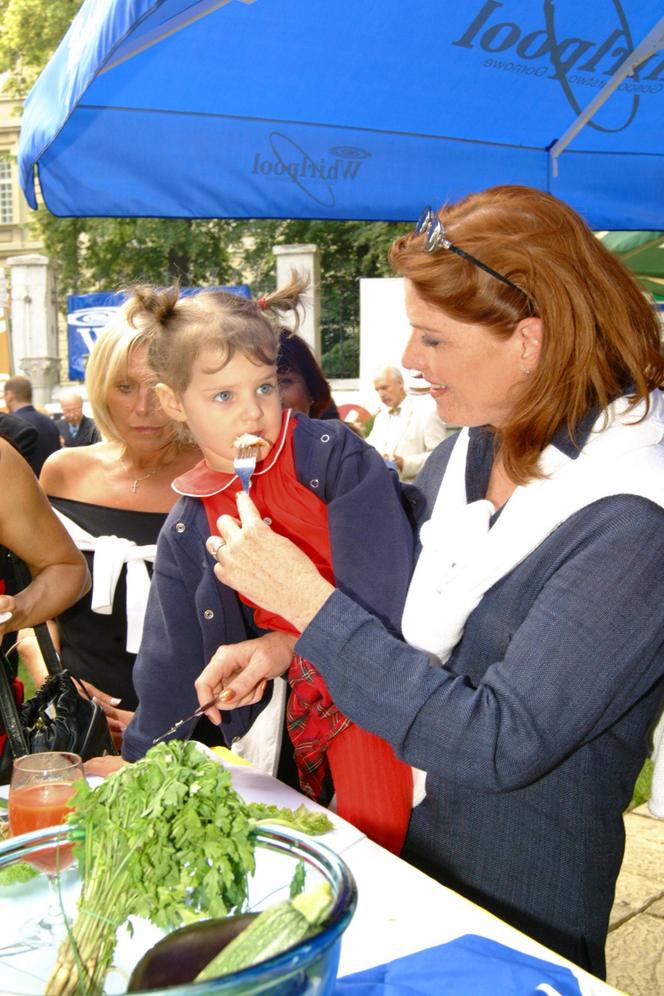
<point x="600" y="336"/>
<point x="179" y="328"/>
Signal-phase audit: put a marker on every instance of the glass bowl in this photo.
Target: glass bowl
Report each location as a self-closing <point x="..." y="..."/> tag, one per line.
<point x="309" y="967"/>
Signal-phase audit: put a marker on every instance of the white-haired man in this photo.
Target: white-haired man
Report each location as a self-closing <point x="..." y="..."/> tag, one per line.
<point x="75" y="428"/>
<point x="406" y="429"/>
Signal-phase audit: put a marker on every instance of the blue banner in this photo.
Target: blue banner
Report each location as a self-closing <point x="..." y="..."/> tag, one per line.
<point x="87" y="314"/>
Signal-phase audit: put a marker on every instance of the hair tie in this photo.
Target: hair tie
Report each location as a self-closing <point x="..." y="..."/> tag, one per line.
<point x="262" y="303"/>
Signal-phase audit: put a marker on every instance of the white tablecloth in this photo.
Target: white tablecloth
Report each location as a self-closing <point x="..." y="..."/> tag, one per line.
<point x="400" y="910"/>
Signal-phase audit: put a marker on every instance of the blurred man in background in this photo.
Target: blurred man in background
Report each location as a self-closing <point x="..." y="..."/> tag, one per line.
<point x="75" y="428"/>
<point x="406" y="429"/>
<point x="18" y="399"/>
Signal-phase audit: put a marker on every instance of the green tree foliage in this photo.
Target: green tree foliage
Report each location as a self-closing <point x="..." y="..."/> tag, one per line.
<point x="348" y="250"/>
<point x="30" y="31"/>
<point x="110" y="253"/>
<point x="92" y="254"/>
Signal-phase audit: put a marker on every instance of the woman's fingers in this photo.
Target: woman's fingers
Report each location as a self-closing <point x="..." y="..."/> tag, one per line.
<point x="102" y="698"/>
<point x="237" y="674"/>
<point x="266" y="567"/>
<point x="230" y="528"/>
<point x="118" y="719"/>
<point x="104" y="765"/>
<point x="248" y="512"/>
<point x="215" y="683"/>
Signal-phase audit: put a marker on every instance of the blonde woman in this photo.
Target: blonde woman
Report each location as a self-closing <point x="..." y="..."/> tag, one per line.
<point x="114" y="496"/>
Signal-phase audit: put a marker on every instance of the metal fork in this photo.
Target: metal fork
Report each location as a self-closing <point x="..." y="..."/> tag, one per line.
<point x="244" y="464"/>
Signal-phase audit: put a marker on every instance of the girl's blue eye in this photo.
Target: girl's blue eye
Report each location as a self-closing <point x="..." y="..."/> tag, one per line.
<point x="222" y="396"/>
<point x="265" y="389"/>
<point x="428" y="340"/>
<point x="123" y="388"/>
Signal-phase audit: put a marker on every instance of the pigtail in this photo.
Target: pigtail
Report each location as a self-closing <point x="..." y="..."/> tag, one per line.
<point x="287" y="298"/>
<point x="148" y="307"/>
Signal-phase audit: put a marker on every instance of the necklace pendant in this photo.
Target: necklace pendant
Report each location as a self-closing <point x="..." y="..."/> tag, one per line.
<point x="134" y="487"/>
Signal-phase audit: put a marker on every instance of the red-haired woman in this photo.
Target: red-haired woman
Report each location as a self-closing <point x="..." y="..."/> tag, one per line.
<point x="535" y="668"/>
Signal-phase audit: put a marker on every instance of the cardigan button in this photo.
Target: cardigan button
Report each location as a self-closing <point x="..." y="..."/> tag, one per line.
<point x="267" y="520"/>
<point x="315" y="483"/>
<point x="325" y="438"/>
<point x="180" y="527"/>
<point x="208" y="614"/>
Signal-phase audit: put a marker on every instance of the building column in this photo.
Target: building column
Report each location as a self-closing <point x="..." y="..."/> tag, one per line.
<point x="306" y="260"/>
<point x="34" y="326"/>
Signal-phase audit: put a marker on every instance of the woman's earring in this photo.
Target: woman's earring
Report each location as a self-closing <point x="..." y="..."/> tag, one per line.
<point x="526" y="371"/>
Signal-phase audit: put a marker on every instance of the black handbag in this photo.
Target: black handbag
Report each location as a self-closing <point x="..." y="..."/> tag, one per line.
<point x="57" y="717"/>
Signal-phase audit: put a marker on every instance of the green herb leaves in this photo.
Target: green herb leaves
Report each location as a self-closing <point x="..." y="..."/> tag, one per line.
<point x="175" y="829"/>
<point x="303" y="819"/>
<point x="18" y="873"/>
<point x="167" y="839"/>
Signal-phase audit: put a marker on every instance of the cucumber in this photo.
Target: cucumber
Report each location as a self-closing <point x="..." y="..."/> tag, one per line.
<point x="274" y="930"/>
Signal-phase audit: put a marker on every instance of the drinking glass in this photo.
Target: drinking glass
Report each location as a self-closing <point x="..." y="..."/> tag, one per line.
<point x="40" y="791"/>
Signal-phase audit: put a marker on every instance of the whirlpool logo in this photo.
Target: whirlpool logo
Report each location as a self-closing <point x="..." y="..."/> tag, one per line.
<point x="93" y="317"/>
<point x="316" y="176"/>
<point x="86" y="323"/>
<point x="577" y="64"/>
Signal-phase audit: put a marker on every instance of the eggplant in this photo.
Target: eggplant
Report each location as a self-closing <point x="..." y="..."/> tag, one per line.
<point x="180" y="956"/>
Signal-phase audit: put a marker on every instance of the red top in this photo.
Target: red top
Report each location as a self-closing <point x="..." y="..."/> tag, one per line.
<point x="373" y="788"/>
<point x="292" y="510"/>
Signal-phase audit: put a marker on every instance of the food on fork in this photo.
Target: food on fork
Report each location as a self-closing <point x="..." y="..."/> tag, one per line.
<point x="247" y="440"/>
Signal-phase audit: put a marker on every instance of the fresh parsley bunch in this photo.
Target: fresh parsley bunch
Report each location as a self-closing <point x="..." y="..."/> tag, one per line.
<point x="168" y="839"/>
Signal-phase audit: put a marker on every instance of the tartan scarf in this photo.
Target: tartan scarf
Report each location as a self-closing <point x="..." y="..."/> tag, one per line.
<point x="313" y="721"/>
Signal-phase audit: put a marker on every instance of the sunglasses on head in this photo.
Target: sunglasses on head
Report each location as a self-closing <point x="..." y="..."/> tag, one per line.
<point x="430" y="225"/>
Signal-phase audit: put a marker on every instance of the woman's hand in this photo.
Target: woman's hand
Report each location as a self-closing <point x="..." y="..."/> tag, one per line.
<point x="118" y="719"/>
<point x="267" y="568"/>
<point x="104" y="766"/>
<point x="238" y="672"/>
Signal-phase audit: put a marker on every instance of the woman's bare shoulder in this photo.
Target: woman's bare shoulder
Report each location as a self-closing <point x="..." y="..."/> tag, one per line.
<point x="65" y="472"/>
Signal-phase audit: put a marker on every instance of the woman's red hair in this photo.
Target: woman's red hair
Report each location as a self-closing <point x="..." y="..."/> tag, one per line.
<point x="600" y="336"/>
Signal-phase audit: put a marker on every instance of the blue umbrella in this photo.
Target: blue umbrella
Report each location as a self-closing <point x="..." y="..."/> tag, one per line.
<point x="349" y="108"/>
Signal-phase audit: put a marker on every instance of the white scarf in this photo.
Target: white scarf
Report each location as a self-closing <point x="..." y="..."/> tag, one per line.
<point x="111" y="553"/>
<point x="462" y="557"/>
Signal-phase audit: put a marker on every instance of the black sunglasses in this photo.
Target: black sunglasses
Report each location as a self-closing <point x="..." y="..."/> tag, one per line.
<point x="430" y="225"/>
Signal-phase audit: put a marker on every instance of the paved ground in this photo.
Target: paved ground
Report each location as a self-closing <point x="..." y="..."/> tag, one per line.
<point x="635" y="947"/>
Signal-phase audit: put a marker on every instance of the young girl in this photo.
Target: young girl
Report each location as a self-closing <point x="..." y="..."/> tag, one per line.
<point x="215" y="358"/>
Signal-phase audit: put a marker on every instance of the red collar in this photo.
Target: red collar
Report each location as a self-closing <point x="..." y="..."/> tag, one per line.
<point x="203" y="482"/>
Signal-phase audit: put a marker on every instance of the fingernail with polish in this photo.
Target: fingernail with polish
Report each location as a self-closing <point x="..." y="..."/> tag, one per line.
<point x="227" y="695"/>
<point x="115" y="701"/>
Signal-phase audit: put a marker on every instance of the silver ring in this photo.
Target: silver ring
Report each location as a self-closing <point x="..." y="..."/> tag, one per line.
<point x="218" y="545"/>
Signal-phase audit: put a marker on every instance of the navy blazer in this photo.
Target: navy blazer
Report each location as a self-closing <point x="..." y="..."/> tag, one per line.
<point x="48" y="436"/>
<point x="20" y="434"/>
<point x="534" y="731"/>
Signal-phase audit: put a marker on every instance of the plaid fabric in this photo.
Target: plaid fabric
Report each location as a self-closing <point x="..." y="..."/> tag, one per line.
<point x="373" y="788"/>
<point x="313" y="721"/>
